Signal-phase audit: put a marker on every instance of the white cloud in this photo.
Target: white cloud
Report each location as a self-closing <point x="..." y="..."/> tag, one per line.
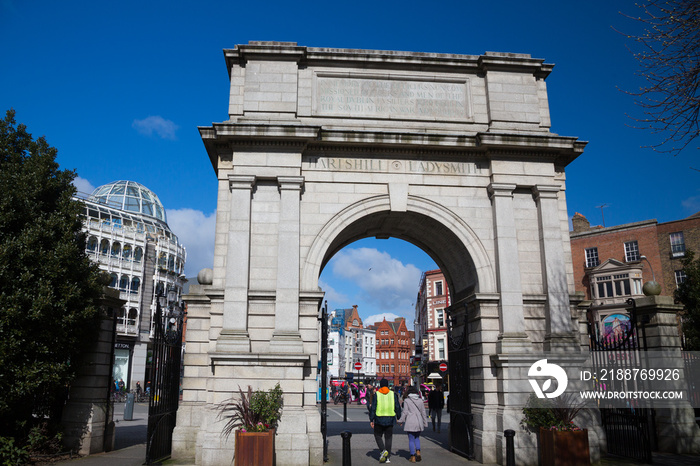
<point x="83" y="186"/>
<point x="156" y="124"/>
<point x="692" y="204"/>
<point x="334" y="297"/>
<point x="195" y="230"/>
<point x="384" y="281"/>
<point x="389" y="316"/>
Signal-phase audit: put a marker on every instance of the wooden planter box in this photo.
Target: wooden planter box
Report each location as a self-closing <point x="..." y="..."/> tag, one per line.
<point x="564" y="448"/>
<point x="254" y="448"/>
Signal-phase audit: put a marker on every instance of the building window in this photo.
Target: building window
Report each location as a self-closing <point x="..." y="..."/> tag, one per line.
<point x="610" y="286"/>
<point x="126" y="252"/>
<point x="680" y="277"/>
<point x="592" y="257"/>
<point x="441" y="349"/>
<point x="438" y="288"/>
<point x="631" y="251"/>
<point x="677" y="244"/>
<point x="441" y="317"/>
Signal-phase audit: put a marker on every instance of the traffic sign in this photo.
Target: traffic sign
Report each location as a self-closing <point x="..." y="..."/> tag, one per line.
<point x="358" y="366"/>
<point x="443" y="367"/>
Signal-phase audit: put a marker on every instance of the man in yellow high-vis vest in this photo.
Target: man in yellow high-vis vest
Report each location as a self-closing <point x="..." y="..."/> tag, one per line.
<point x="383" y="412"/>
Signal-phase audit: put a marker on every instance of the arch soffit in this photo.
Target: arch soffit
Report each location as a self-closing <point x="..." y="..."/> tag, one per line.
<point x="486" y="277"/>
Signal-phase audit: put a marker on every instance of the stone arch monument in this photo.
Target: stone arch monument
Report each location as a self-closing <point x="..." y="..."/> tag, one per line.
<point x="323" y="147"/>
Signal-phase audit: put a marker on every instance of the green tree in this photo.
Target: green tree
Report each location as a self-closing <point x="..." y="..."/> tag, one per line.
<point x="48" y="286"/>
<point x="668" y="53"/>
<point x="688" y="293"/>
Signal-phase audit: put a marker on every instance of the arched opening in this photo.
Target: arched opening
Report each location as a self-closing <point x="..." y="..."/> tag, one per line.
<point x="133" y="315"/>
<point x="92" y="244"/>
<point x="135" y="284"/>
<point x="104" y="247"/>
<point x="138" y="254"/>
<point x="126" y="252"/>
<point x="116" y="249"/>
<point x="113" y="282"/>
<point x="454" y="248"/>
<point x="445" y="238"/>
<point x="162" y="258"/>
<point x="124" y="283"/>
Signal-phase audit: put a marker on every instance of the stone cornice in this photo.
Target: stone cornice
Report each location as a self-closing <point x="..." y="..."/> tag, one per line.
<point x="626" y="226"/>
<point x="384" y="59"/>
<point x="224" y="138"/>
<point x="258" y="359"/>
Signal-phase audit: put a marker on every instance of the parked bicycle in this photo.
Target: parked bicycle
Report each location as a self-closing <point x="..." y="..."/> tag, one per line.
<point x="341" y="397"/>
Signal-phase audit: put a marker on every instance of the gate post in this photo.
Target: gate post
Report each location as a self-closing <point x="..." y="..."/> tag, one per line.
<point x="677" y="431"/>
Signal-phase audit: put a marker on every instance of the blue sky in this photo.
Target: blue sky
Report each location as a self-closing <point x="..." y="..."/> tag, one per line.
<point x="121" y="87"/>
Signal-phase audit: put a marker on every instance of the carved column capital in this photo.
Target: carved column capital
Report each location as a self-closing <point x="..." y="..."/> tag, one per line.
<point x="241" y="182"/>
<point x="545" y="191"/>
<point x="501" y="190"/>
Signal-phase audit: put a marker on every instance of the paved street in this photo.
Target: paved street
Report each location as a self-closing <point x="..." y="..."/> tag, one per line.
<point x="434" y="446"/>
<point x="130" y="448"/>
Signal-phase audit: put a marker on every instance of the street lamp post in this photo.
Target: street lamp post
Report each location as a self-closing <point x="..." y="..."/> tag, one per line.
<point x="652" y="288"/>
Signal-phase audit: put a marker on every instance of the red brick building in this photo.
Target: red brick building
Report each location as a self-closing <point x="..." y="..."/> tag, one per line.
<point x="610" y="266"/>
<point x="394" y="351"/>
<point x="432" y="300"/>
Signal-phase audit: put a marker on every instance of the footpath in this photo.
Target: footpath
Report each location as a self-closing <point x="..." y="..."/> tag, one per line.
<point x="130" y="444"/>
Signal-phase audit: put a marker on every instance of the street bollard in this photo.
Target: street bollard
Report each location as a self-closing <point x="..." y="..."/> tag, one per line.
<point x="347" y="460"/>
<point x="345" y="411"/>
<point x="129" y="407"/>
<point x="510" y="447"/>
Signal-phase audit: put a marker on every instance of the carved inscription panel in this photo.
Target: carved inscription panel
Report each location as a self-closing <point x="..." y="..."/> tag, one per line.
<point x="391" y="97"/>
<point x="342" y="164"/>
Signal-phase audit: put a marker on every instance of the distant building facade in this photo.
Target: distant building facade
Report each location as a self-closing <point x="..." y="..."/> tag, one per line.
<point x="394" y="351"/>
<point x="611" y="264"/>
<point x="431" y="322"/>
<point x="350" y="342"/>
<point x="129" y="238"/>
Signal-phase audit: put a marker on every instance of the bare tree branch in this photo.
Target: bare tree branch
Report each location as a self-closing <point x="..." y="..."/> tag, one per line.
<point x="670" y="65"/>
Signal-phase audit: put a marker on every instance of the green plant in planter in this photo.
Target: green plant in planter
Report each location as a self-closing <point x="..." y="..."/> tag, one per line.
<point x="551" y="414"/>
<point x="253" y="411"/>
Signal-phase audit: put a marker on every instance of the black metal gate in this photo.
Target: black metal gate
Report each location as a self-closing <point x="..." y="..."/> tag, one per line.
<point x="164" y="380"/>
<point x="630" y="431"/>
<point x="459" y="401"/>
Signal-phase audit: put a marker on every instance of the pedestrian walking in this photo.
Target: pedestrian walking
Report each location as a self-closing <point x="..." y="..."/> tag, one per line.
<point x="370" y="395"/>
<point x="436" y="401"/>
<point x="383" y="413"/>
<point x="415" y="419"/>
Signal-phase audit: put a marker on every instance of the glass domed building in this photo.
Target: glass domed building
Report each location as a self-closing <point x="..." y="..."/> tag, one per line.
<point x="128" y="236"/>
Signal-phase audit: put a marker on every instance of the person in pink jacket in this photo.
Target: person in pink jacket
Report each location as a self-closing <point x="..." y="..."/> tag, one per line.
<point x="415" y="419"/>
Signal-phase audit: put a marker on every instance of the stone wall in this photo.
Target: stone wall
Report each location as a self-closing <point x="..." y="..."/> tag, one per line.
<point x="87" y="415"/>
